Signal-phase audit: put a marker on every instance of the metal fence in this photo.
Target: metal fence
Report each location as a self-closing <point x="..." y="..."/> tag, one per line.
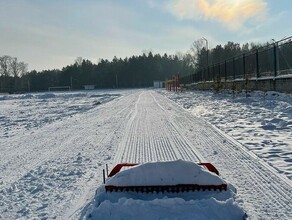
<point x="273" y="60"/>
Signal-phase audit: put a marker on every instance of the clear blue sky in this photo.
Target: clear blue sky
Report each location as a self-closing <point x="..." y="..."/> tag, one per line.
<point x="49" y="34"/>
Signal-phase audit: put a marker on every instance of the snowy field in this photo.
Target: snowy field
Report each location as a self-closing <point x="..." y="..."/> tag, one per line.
<point x="20" y="113"/>
<point x="55" y="145"/>
<point x="262" y="122"/>
<point x="47" y="145"/>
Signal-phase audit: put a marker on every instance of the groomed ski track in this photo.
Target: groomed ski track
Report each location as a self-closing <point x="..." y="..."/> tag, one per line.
<point x="160" y="130"/>
<point x="52" y="172"/>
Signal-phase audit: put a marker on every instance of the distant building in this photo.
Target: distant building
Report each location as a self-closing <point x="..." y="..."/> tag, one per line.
<point x="158" y="84"/>
<point x="89" y="87"/>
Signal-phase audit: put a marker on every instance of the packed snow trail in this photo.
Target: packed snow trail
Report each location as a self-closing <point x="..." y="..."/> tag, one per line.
<point x="152" y="136"/>
<point x="159" y="130"/>
<point x="52" y="171"/>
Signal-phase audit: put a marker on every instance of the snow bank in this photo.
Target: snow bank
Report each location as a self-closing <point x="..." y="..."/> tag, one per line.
<point x="168" y="208"/>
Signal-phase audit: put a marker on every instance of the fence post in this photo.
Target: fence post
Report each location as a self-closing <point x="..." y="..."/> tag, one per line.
<point x="275" y="60"/>
<point x="208" y="71"/>
<point x="213" y="75"/>
<point x="257" y="64"/>
<point x="233" y="67"/>
<point x="244" y="71"/>
<point x="225" y="70"/>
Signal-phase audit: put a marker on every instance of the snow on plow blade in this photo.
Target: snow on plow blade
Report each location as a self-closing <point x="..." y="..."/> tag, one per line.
<point x="171" y="177"/>
<point x="165" y="190"/>
<point x="168" y="188"/>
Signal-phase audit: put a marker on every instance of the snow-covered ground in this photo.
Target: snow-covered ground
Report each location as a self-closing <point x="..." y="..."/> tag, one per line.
<point x="262" y="122"/>
<point x="54" y="146"/>
<point x="20" y="113"/>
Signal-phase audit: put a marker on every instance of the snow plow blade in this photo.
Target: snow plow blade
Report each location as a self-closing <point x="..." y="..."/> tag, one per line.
<point x="166" y="188"/>
<point x="154" y="188"/>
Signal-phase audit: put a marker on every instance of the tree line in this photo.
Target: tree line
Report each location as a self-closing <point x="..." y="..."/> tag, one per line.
<point x="249" y="59"/>
<point x="133" y="72"/>
<point x="202" y="56"/>
<point x="130" y="72"/>
<point x="11" y="71"/>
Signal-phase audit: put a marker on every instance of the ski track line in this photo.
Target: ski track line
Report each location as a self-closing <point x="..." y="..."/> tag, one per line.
<point x="124" y="145"/>
<point x="256" y="180"/>
<point x="144" y="144"/>
<point x="182" y="142"/>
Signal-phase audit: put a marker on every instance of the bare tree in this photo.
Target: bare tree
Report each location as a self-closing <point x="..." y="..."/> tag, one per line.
<point x="10" y="71"/>
<point x="17" y="68"/>
<point x="23" y="68"/>
<point x="5" y="62"/>
<point x="78" y="61"/>
<point x="195" y="52"/>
